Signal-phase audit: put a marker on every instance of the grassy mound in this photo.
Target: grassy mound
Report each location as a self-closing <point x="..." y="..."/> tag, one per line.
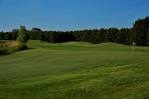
<point x="62" y="71"/>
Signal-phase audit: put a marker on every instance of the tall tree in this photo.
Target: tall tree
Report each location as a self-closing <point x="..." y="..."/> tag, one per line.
<point x="35" y="34"/>
<point x="22" y="35"/>
<point x="141" y="33"/>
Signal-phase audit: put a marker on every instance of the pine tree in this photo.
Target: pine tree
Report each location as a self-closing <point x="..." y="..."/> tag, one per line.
<point x="22" y="35"/>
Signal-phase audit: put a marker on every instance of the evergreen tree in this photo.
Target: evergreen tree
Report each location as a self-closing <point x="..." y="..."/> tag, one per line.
<point x="22" y="35"/>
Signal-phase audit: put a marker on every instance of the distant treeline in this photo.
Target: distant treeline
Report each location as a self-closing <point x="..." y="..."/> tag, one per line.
<point x="138" y="34"/>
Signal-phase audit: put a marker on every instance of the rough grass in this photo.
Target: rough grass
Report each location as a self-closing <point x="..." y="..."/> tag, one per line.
<point x="8" y="47"/>
<point x="75" y="71"/>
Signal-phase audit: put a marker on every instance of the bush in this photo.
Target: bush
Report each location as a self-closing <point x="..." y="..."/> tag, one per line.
<point x="4" y="50"/>
<point x="22" y="46"/>
<point x="11" y="46"/>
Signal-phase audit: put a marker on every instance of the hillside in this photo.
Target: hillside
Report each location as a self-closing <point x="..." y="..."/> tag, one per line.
<point x="75" y="70"/>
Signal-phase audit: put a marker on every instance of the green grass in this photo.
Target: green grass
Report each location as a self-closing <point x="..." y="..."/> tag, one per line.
<point x="75" y="70"/>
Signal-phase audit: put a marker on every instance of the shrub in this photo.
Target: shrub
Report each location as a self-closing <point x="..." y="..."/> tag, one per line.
<point x="4" y="50"/>
<point x="9" y="47"/>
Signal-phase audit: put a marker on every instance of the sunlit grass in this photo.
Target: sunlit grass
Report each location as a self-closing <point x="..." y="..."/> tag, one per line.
<point x="75" y="70"/>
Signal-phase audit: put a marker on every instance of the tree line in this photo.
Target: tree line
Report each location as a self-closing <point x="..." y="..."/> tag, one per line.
<point x="138" y="34"/>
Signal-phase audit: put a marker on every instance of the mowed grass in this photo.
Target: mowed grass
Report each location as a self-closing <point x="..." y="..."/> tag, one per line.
<point x="75" y="70"/>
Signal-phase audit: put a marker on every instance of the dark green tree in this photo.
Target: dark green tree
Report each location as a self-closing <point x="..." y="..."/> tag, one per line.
<point x="35" y="34"/>
<point x="141" y="31"/>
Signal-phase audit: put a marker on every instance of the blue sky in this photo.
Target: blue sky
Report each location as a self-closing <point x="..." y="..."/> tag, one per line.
<point x="71" y="14"/>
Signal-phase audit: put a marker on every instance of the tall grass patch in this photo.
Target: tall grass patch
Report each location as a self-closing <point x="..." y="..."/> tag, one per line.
<point x="8" y="47"/>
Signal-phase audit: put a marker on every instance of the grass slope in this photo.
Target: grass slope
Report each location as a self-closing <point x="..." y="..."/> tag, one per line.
<point x="75" y="70"/>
